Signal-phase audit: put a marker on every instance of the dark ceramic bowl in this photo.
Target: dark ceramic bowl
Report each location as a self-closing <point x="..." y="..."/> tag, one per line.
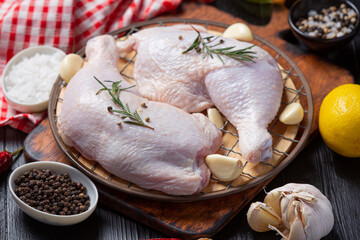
<point x="301" y="8"/>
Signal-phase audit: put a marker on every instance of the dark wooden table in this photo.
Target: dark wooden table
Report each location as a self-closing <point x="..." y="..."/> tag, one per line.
<point x="337" y="177"/>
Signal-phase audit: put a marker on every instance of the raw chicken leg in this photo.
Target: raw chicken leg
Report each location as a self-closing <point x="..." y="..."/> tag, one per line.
<point x="169" y="158"/>
<point x="248" y="94"/>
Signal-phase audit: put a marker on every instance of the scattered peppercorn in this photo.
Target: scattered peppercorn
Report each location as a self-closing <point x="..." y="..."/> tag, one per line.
<point x="51" y="193"/>
<point x="109" y="108"/>
<point x="147" y="119"/>
<point x="180" y="37"/>
<point x="143" y="105"/>
<point x="328" y="23"/>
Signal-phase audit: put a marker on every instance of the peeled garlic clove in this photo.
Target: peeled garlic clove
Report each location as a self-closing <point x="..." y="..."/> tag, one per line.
<point x="260" y="216"/>
<point x="238" y="31"/>
<point x="292" y="114"/>
<point x="224" y="168"/>
<point x="70" y="65"/>
<point x="215" y="117"/>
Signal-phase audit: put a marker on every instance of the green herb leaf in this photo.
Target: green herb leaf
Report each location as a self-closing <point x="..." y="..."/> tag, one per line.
<point x="114" y="92"/>
<point x="201" y="45"/>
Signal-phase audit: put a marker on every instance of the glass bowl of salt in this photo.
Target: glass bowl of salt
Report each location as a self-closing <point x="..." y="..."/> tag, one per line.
<point x="28" y="77"/>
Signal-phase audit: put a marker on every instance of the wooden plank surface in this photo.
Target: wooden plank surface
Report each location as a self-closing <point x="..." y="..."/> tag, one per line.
<point x="3" y="190"/>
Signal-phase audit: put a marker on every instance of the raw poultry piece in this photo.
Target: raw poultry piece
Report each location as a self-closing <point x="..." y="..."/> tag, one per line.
<point x="168" y="158"/>
<point x="247" y="93"/>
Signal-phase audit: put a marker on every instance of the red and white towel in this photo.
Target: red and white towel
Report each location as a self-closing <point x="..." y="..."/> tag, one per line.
<point x="65" y="24"/>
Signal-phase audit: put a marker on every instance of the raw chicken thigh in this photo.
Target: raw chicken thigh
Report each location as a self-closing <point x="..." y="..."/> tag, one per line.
<point x="169" y="158"/>
<point x="248" y="94"/>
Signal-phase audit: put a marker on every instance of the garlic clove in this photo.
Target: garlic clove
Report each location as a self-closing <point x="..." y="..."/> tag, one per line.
<point x="215" y="117"/>
<point x="224" y="168"/>
<point x="260" y="216"/>
<point x="70" y="65"/>
<point x="272" y="199"/>
<point x="292" y="114"/>
<point x="290" y="213"/>
<point x="297" y="231"/>
<point x="238" y="31"/>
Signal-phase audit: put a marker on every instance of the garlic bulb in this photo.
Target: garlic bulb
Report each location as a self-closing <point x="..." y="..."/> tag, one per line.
<point x="304" y="211"/>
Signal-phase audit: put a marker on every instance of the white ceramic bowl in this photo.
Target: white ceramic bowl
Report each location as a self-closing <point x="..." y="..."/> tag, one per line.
<point x="28" y="52"/>
<point x="57" y="168"/>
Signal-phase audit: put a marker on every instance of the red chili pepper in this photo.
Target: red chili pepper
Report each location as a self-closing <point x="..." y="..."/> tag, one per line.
<point x="6" y="158"/>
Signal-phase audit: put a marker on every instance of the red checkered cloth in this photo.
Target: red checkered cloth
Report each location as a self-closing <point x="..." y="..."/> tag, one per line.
<point x="65" y="24"/>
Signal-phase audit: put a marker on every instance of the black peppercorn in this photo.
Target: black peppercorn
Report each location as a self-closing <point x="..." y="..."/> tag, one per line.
<point x="333" y="22"/>
<point x="51" y="193"/>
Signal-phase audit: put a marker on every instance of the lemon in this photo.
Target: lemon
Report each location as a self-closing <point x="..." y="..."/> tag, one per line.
<point x="339" y="120"/>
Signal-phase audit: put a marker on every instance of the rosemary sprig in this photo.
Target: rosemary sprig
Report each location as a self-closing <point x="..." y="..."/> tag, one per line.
<point x="114" y="91"/>
<point x="202" y="46"/>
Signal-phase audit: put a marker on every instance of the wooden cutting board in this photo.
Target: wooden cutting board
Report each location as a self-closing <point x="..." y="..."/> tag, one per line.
<point x="204" y="218"/>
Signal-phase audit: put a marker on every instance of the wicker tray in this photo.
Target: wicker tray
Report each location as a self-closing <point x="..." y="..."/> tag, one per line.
<point x="287" y="140"/>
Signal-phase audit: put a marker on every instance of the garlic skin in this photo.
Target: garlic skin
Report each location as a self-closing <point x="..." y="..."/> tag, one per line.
<point x="306" y="214"/>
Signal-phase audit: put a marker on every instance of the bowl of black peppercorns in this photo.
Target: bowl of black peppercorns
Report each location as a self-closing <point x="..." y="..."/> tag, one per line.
<point x="324" y="24"/>
<point x="53" y="193"/>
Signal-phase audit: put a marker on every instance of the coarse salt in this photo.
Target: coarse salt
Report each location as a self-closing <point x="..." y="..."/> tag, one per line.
<point x="30" y="80"/>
